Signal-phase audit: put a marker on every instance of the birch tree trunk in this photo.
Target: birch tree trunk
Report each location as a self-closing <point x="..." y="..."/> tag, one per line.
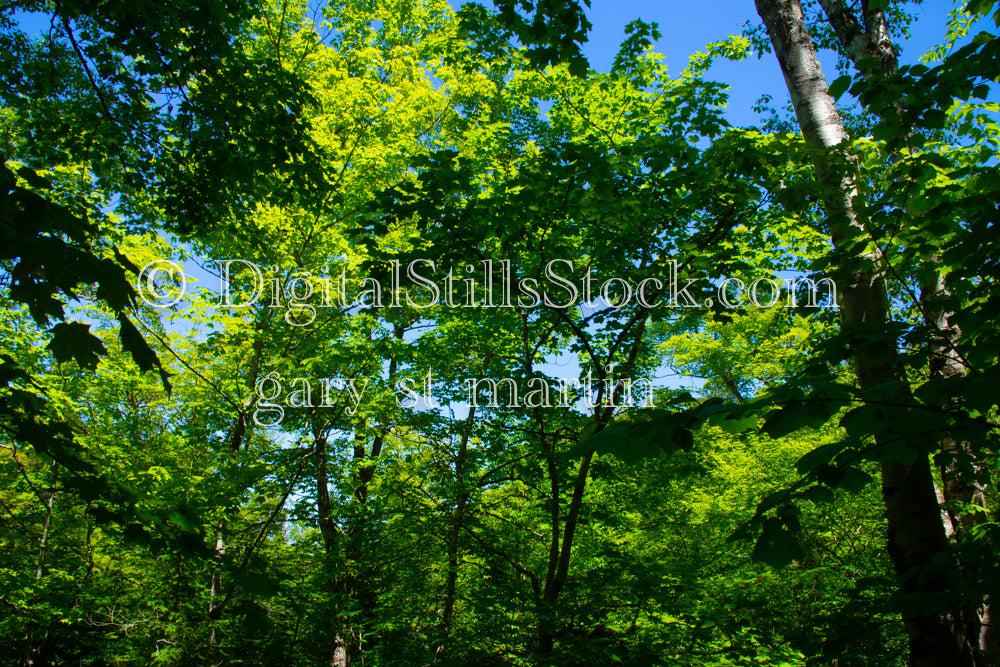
<point x="867" y="36"/>
<point x="915" y="531"/>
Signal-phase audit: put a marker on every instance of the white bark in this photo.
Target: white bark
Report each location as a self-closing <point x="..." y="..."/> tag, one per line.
<point x="916" y="534"/>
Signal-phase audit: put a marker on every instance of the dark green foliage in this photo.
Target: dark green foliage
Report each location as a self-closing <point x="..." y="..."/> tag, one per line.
<point x="155" y="519"/>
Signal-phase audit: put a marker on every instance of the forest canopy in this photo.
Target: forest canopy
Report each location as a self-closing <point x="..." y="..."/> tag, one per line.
<point x="387" y="332"/>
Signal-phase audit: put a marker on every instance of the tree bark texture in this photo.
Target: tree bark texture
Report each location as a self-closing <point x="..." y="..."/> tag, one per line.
<point x="915" y="531"/>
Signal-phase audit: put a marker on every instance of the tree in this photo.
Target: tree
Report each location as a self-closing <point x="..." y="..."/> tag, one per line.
<point x="916" y="536"/>
<point x="299" y="498"/>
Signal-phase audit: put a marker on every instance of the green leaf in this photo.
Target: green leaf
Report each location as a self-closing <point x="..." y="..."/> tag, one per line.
<point x="255" y="618"/>
<point x="863" y="421"/>
<point x="819" y="494"/>
<point x="820" y="455"/>
<point x="854" y="480"/>
<point x="683" y="438"/>
<point x="73" y="340"/>
<point x="839" y="86"/>
<point x="136" y="345"/>
<point x="981" y="393"/>
<point x="776" y="546"/>
<point x="979" y="7"/>
<point x="788" y="419"/>
<point x="33" y="179"/>
<point x="256" y="584"/>
<point x="135" y="533"/>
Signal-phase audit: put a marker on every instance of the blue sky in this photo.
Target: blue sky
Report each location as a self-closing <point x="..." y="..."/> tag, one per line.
<point x="689" y="25"/>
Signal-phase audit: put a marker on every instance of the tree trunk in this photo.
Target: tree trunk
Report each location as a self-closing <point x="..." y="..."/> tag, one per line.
<point x="339" y="651"/>
<point x="457" y="522"/>
<point x="869" y="38"/>
<point x="915" y="532"/>
<point x="215" y="591"/>
<point x="31" y="649"/>
<point x="981" y="635"/>
<point x="561" y="550"/>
